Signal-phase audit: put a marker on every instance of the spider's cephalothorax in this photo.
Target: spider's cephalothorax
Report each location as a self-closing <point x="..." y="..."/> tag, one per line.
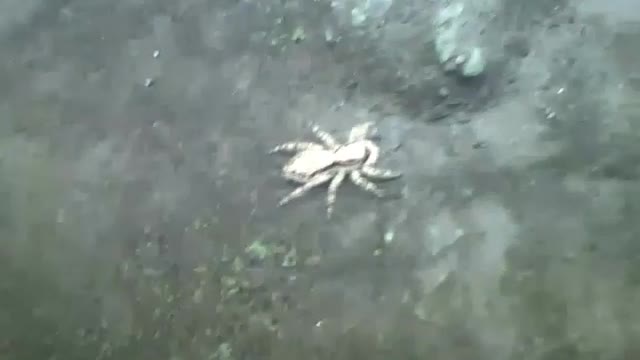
<point x="330" y="161"/>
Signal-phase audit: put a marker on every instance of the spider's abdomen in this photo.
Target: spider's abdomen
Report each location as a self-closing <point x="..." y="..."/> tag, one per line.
<point x="306" y="164"/>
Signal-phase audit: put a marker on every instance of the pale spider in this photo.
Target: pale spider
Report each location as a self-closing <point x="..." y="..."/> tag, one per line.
<point x="315" y="164"/>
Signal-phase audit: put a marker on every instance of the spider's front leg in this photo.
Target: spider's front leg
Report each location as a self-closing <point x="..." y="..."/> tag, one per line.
<point x="295" y="146"/>
<point x="379" y="174"/>
<point x="362" y="131"/>
<point x="373" y="153"/>
<point x="368" y="169"/>
<point x="357" y="178"/>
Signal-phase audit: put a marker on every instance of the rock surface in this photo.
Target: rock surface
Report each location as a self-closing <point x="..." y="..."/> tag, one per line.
<point x="138" y="212"/>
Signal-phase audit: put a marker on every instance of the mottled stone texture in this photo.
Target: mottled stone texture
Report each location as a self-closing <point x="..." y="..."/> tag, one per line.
<point x="138" y="215"/>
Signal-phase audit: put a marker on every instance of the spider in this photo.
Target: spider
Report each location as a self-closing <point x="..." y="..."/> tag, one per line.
<point x="315" y="164"/>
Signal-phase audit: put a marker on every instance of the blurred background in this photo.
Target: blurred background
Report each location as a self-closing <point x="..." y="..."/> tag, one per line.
<point x="138" y="201"/>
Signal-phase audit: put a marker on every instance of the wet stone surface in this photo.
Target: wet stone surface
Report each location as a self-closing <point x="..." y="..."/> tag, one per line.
<point x="138" y="201"/>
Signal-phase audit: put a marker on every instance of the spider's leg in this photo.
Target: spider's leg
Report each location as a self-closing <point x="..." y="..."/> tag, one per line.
<point x="374" y="153"/>
<point x="326" y="138"/>
<point x="360" y="131"/>
<point x="333" y="190"/>
<point x="301" y="190"/>
<point x="295" y="146"/>
<point x="379" y="174"/>
<point x="357" y="178"/>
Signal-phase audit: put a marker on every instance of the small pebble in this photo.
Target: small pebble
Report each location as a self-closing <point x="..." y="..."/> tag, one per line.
<point x="388" y="237"/>
<point x="312" y="260"/>
<point x="475" y="63"/>
<point x="329" y="36"/>
<point x="298" y="35"/>
<point x="480" y="145"/>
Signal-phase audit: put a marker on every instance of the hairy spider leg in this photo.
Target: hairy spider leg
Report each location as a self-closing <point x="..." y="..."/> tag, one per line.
<point x="317" y="180"/>
<point x="357" y="178"/>
<point x="379" y="174"/>
<point x="325" y="137"/>
<point x="296" y="146"/>
<point x="374" y="153"/>
<point x="333" y="191"/>
<point x="360" y="131"/>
